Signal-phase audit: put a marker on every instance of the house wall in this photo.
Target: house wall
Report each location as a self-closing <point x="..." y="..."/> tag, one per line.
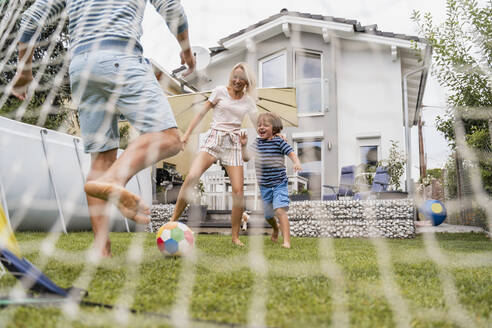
<point x="361" y="90"/>
<point x="369" y="98"/>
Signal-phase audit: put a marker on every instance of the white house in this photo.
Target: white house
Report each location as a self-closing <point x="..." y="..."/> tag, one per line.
<point x="351" y="93"/>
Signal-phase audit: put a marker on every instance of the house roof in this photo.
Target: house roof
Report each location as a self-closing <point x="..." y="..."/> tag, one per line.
<point x="170" y="84"/>
<point x="402" y="45"/>
<point x="357" y="27"/>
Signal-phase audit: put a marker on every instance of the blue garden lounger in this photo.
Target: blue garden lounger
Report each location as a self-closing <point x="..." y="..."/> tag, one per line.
<point x="380" y="184"/>
<point x="346" y="187"/>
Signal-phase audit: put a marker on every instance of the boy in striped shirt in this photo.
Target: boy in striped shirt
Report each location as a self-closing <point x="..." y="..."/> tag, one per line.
<point x="269" y="150"/>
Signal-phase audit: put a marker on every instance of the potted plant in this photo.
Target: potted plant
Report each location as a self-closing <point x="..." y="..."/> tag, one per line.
<point x="302" y="194"/>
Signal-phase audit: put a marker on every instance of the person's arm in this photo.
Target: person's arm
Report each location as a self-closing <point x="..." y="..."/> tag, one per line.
<point x="286" y="149"/>
<point x="196" y="120"/>
<point x="297" y="164"/>
<point x="173" y="13"/>
<point x="23" y="76"/>
<point x="244" y="146"/>
<point x="186" y="55"/>
<point x="39" y="13"/>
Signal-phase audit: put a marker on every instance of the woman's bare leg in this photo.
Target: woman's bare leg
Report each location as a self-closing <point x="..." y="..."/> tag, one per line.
<point x="236" y="175"/>
<point x="201" y="163"/>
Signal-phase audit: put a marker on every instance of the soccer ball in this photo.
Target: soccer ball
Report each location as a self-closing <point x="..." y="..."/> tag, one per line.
<point x="175" y="239"/>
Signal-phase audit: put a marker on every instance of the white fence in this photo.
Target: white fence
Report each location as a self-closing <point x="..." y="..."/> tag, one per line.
<point x="218" y="191"/>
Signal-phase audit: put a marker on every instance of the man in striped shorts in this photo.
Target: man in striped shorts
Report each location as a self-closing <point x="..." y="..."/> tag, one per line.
<point x="109" y="76"/>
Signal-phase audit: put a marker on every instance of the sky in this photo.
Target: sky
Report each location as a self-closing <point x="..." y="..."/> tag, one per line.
<point x="211" y="20"/>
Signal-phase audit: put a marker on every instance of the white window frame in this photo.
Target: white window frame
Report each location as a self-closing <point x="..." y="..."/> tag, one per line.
<point x="294" y="62"/>
<point x="270" y="57"/>
<point x="312" y="136"/>
<point x="369" y="140"/>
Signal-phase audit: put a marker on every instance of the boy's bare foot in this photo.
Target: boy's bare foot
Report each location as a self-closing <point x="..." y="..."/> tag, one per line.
<point x="274" y="237"/>
<point x="127" y="202"/>
<point x="237" y="242"/>
<point x="286" y="245"/>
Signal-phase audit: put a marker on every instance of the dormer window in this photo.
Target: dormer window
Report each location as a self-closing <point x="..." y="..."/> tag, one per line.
<point x="273" y="71"/>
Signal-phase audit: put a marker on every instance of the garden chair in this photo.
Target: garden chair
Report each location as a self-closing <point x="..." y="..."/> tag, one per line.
<point x="346" y="187"/>
<point x="380" y="184"/>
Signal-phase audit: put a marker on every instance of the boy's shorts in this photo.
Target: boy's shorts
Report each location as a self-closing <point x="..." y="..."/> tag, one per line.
<point x="225" y="146"/>
<point x="108" y="83"/>
<point x="273" y="198"/>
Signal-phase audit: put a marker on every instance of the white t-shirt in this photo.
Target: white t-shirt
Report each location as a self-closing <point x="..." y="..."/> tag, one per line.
<point x="229" y="113"/>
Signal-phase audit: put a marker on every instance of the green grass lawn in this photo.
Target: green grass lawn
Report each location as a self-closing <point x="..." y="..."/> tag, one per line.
<point x="297" y="291"/>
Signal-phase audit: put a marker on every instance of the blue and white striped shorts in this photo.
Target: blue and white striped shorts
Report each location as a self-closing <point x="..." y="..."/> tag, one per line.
<point x="225" y="146"/>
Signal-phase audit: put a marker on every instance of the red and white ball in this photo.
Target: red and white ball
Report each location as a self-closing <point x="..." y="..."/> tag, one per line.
<point x="175" y="239"/>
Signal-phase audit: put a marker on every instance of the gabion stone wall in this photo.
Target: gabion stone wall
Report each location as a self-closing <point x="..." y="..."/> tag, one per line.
<point x="353" y="218"/>
<point x="159" y="215"/>
<point x="342" y="218"/>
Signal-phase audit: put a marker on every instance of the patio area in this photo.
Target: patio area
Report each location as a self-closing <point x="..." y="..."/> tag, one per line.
<point x="217" y="194"/>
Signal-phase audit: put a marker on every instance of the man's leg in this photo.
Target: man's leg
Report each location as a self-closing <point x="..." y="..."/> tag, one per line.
<point x="98" y="208"/>
<point x="145" y="150"/>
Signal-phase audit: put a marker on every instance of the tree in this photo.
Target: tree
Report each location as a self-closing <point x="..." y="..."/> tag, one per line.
<point x="462" y="56"/>
<point x="60" y="96"/>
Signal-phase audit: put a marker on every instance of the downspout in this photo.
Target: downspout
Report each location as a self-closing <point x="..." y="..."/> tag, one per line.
<point x="408" y="170"/>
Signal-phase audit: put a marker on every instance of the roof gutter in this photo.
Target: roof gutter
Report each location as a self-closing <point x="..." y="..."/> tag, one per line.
<point x="343" y="30"/>
<point x="241" y="39"/>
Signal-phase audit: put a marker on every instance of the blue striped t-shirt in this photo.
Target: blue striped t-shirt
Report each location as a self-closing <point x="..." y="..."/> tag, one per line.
<point x="269" y="160"/>
<point x="101" y="23"/>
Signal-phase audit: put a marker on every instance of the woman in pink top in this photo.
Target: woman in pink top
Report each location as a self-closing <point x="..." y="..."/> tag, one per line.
<point x="231" y="103"/>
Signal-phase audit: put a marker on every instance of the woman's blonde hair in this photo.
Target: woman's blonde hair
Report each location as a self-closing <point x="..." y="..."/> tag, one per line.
<point x="250" y="77"/>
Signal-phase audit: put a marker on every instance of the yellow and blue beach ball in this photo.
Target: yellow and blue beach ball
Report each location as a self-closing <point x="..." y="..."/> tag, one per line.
<point x="434" y="211"/>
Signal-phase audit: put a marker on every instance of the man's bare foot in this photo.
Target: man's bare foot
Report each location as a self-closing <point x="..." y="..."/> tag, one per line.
<point x="286" y="245"/>
<point x="237" y="242"/>
<point x="106" y="254"/>
<point x="127" y="202"/>
<point x="274" y="237"/>
<point x="98" y="253"/>
<point x="103" y="251"/>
